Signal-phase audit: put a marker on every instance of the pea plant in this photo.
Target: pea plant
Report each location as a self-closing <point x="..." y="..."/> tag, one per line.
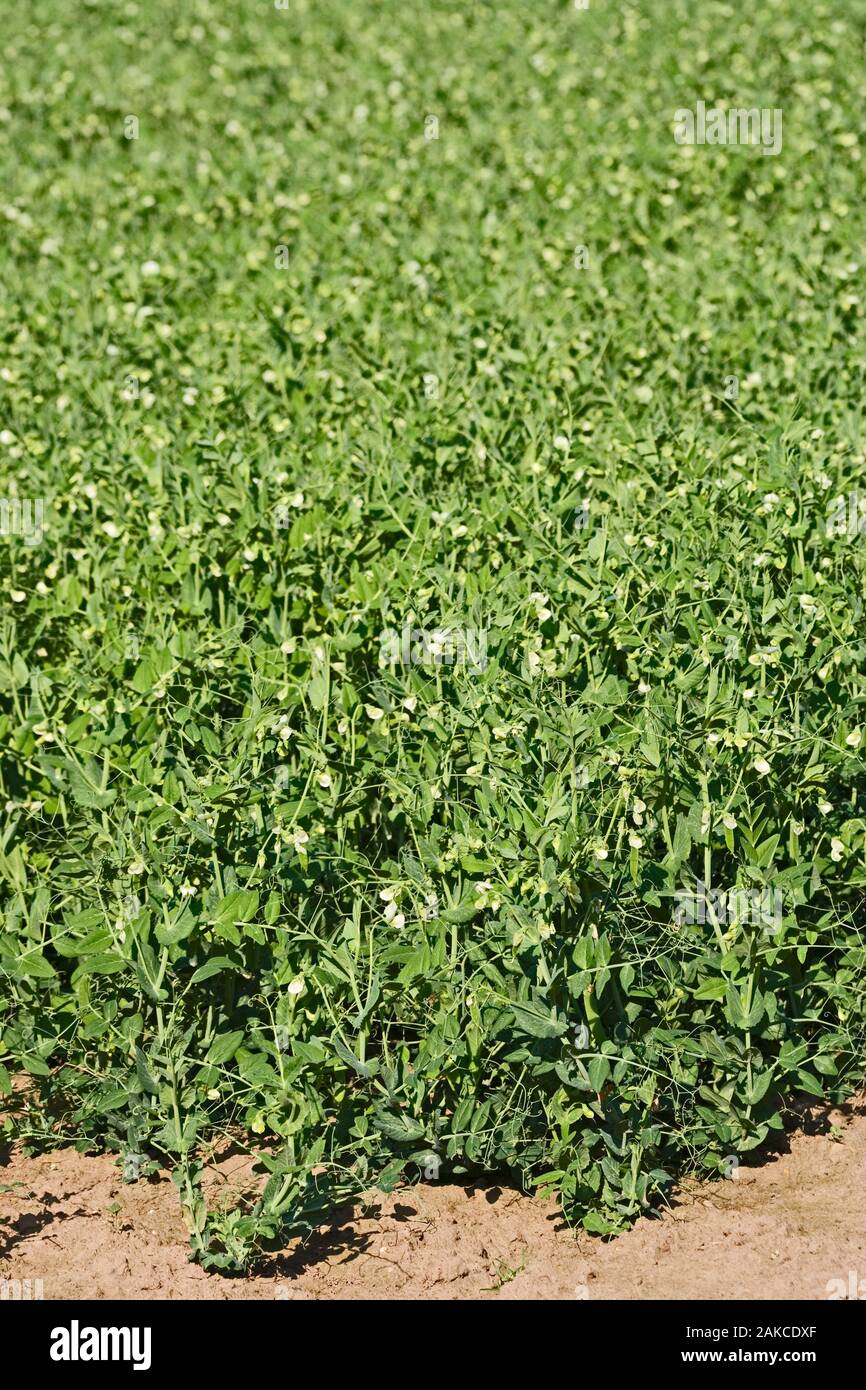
<point x="431" y="651"/>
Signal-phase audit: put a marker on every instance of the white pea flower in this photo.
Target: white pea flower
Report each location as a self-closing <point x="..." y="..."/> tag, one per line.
<point x="542" y="612"/>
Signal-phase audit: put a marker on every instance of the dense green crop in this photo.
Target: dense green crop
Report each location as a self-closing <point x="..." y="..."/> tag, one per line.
<point x="442" y="555"/>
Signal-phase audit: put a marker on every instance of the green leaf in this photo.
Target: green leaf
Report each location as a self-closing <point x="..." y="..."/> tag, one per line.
<point x="650" y="747"/>
<point x="810" y="1084"/>
<point x="144" y="1074"/>
<point x="236" y="908"/>
<point x="537" y="1023"/>
<point x="366" y="1069"/>
<point x="399" y="1127"/>
<point x="737" y="1014"/>
<point x="214" y="966"/>
<point x="598" y="1069"/>
<point x="711" y="989"/>
<point x="224" y="1046"/>
<point x="34" y="964"/>
<point x="760" y="1086"/>
<point x="35" y="1066"/>
<point x="86" y="790"/>
<point x="599" y="1224"/>
<point x="106" y="963"/>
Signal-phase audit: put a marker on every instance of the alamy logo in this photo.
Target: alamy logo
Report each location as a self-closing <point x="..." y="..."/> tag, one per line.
<point x="854" y="1291"/>
<point x="77" y="1343"/>
<point x="847" y="517"/>
<point x="22" y="516"/>
<point x="448" y="646"/>
<point x="762" y="907"/>
<point x="18" y="1289"/>
<point x="736" y="125"/>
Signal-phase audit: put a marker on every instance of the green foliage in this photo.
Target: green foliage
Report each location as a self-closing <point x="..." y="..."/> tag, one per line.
<point x="289" y="375"/>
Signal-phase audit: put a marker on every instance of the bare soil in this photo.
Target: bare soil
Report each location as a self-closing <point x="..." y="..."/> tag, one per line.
<point x="784" y="1227"/>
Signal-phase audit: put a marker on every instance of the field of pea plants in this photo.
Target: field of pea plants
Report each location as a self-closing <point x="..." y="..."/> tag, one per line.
<point x="432" y="560"/>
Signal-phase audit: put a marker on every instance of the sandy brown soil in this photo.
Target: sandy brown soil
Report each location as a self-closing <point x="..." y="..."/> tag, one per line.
<point x="782" y="1228"/>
